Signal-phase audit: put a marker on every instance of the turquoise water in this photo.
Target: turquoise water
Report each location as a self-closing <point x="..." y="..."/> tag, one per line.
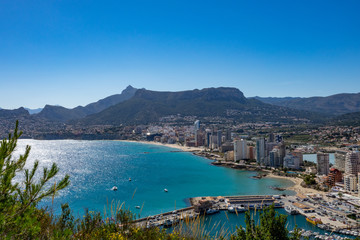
<point x="96" y="166"/>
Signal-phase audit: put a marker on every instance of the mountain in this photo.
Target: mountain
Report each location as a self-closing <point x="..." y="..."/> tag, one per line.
<point x="150" y="106"/>
<point x="13" y="114"/>
<point x="62" y="114"/>
<point x="34" y="111"/>
<point x="333" y="105"/>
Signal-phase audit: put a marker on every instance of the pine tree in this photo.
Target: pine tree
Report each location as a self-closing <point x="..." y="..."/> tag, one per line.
<point x="19" y="217"/>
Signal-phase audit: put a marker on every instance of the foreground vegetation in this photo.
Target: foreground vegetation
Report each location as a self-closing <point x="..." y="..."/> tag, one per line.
<point x="21" y="218"/>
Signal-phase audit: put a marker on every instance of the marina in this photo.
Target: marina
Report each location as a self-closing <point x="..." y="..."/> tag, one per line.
<point x="292" y="205"/>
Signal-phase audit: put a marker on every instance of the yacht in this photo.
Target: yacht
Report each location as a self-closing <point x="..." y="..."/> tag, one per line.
<point x="231" y="209"/>
<point x="212" y="211"/>
<point x="129" y="179"/>
<point x="165" y="190"/>
<point x="114" y="188"/>
<point x="291" y="210"/>
<point x="240" y="209"/>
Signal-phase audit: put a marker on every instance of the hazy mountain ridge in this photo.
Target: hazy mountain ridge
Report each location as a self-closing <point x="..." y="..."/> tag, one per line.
<point x="20" y="112"/>
<point x="337" y="104"/>
<point x="62" y="114"/>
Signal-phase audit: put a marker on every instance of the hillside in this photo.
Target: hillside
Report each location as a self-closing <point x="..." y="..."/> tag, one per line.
<point x="349" y="119"/>
<point x="62" y="114"/>
<point x="274" y="100"/>
<point x="149" y="106"/>
<point x="13" y="114"/>
<point x="333" y="105"/>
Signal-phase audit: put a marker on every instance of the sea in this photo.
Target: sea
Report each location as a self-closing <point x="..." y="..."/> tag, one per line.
<point x="96" y="166"/>
<point x="312" y="158"/>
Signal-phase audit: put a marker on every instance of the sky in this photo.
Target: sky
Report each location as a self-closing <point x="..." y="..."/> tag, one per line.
<point x="74" y="52"/>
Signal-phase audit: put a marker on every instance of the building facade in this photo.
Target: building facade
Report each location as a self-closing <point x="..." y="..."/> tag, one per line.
<point x="350" y="183"/>
<point x="335" y="176"/>
<point x="352" y="163"/>
<point x="340" y="157"/>
<point x="260" y="151"/>
<point x="240" y="150"/>
<point x="322" y="160"/>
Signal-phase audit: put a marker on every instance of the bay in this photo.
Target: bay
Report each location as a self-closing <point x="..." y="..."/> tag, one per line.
<point x="96" y="166"/>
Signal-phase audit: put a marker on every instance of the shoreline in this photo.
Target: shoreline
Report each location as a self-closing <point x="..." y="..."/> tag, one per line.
<point x="297" y="185"/>
<point x="175" y="146"/>
<point x="297" y="188"/>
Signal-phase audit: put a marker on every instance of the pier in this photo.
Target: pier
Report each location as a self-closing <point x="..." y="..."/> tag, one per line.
<point x="167" y="219"/>
<point x="202" y="205"/>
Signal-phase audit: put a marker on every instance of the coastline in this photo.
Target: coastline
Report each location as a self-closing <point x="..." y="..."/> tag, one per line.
<point x="297" y="188"/>
<point x="175" y="146"/>
<point x="297" y="185"/>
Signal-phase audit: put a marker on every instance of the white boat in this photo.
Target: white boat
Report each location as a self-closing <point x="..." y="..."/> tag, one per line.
<point x="240" y="209"/>
<point x="212" y="211"/>
<point x="231" y="209"/>
<point x="129" y="179"/>
<point x="138" y="207"/>
<point x="291" y="210"/>
<point x="165" y="190"/>
<point x="114" y="188"/>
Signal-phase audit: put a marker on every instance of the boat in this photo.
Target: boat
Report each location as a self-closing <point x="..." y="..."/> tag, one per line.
<point x="291" y="210"/>
<point x="231" y="209"/>
<point x="129" y="179"/>
<point x="138" y="207"/>
<point x="165" y="190"/>
<point x="240" y="209"/>
<point x="211" y="211"/>
<point x="114" y="188"/>
<point x="314" y="220"/>
<point x="168" y="223"/>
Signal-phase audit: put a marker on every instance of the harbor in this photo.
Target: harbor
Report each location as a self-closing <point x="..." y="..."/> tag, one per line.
<point x="328" y="222"/>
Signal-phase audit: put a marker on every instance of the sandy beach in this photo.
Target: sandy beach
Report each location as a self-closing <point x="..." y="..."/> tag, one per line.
<point x="297" y="185"/>
<point x="176" y="146"/>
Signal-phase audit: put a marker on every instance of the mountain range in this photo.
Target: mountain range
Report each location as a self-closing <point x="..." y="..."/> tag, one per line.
<point x="149" y="106"/>
<point x="61" y="114"/>
<point x="333" y="105"/>
<point x="141" y="106"/>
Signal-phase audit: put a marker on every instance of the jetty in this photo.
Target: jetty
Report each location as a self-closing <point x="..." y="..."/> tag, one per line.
<point x="167" y="219"/>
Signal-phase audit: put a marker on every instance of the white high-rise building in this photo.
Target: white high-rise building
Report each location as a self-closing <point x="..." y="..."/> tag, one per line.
<point x="350" y="183"/>
<point x="352" y="163"/>
<point x="240" y="150"/>
<point x="322" y="163"/>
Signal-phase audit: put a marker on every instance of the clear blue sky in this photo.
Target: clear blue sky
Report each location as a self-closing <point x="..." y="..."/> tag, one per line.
<point x="75" y="52"/>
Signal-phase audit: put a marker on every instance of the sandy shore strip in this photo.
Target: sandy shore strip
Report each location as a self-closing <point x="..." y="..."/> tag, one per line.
<point x="176" y="146"/>
<point x="297" y="185"/>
